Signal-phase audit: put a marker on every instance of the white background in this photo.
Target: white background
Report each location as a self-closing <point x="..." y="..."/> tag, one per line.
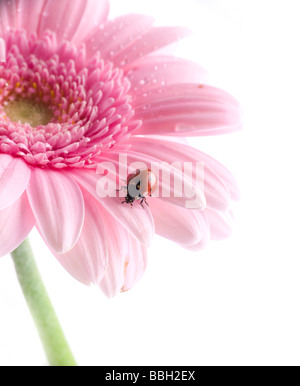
<point x="237" y="302"/>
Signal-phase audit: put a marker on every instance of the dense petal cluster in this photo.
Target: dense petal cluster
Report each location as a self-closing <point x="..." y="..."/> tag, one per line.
<point x="88" y="106"/>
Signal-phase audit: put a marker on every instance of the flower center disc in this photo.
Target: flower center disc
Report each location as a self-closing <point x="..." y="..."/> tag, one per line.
<point x="28" y="111"/>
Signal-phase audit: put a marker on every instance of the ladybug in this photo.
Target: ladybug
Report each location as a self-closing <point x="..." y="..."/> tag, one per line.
<point x="139" y="185"/>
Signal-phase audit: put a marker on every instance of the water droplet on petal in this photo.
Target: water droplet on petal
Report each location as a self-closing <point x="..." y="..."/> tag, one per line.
<point x="182" y="127"/>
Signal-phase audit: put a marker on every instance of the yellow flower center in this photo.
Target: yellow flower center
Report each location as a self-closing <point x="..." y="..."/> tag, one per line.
<point x="28" y="111"/>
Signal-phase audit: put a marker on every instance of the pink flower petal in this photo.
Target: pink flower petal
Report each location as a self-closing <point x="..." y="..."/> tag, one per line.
<point x="8" y="16"/>
<point x="16" y="222"/>
<point x="96" y="13"/>
<point x="187" y="110"/>
<point x="136" y="220"/>
<point x="151" y="41"/>
<point x="135" y="265"/>
<point x="221" y="171"/>
<point x="62" y="16"/>
<point x="14" y="178"/>
<point x="126" y="263"/>
<point x="197" y="247"/>
<point x="152" y="71"/>
<point x="217" y="191"/>
<point x="221" y="223"/>
<point x="113" y="279"/>
<point x="28" y="15"/>
<point x="88" y="259"/>
<point x="184" y="226"/>
<point x="58" y="207"/>
<point x="116" y="35"/>
<point x="206" y="235"/>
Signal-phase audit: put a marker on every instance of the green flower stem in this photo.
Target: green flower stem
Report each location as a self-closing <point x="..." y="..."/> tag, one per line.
<point x="42" y="311"/>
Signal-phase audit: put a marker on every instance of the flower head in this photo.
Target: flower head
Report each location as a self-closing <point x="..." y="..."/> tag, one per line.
<point x="78" y="91"/>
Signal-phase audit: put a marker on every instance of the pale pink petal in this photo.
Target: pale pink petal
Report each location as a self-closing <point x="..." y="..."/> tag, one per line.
<point x="16" y="222"/>
<point x="221" y="223"/>
<point x="118" y="247"/>
<point x="151" y="41"/>
<point x="14" y="178"/>
<point x="118" y="34"/>
<point x="206" y="235"/>
<point x="135" y="264"/>
<point x="221" y="171"/>
<point x="153" y="71"/>
<point x="126" y="263"/>
<point x="217" y="184"/>
<point x="8" y="16"/>
<point x="185" y="152"/>
<point x="57" y="203"/>
<point x="88" y="259"/>
<point x="28" y="15"/>
<point x="184" y="226"/>
<point x="187" y="110"/>
<point x="62" y="16"/>
<point x="79" y="16"/>
<point x="197" y="247"/>
<point x="95" y="13"/>
<point x="136" y="220"/>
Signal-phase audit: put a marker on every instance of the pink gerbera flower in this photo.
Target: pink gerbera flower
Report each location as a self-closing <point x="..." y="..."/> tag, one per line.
<point x="77" y="90"/>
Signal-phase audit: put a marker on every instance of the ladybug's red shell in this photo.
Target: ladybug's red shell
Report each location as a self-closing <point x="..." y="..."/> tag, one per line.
<point x="139" y="185"/>
<point x="146" y="181"/>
